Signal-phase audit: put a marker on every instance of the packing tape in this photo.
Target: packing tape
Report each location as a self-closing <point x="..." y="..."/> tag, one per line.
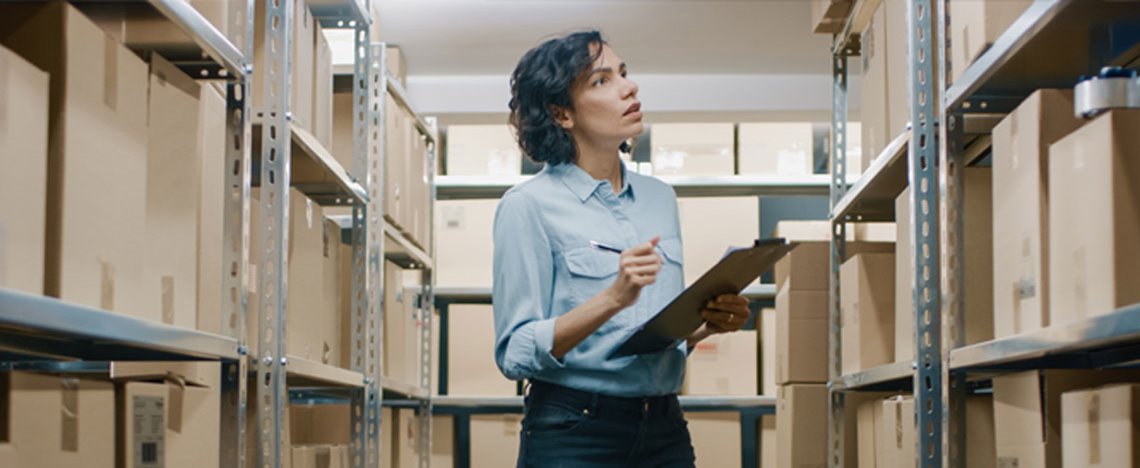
<point x="1094" y="428"/>
<point x="107" y="291"/>
<point x="168" y="300"/>
<point x="110" y="72"/>
<point x="69" y="414"/>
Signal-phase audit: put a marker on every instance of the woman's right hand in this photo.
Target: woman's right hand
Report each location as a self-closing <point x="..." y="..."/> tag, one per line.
<point x="638" y="269"/>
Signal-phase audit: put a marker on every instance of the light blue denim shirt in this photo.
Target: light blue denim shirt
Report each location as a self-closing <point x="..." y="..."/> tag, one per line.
<point x="544" y="267"/>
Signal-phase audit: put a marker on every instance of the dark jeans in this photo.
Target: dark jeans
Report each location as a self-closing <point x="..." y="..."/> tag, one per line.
<point x="563" y="427"/>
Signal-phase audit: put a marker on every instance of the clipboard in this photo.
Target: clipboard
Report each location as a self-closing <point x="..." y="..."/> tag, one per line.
<point x="681" y="317"/>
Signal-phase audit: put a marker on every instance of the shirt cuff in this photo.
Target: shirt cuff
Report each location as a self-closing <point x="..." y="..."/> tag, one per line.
<point x="544" y="345"/>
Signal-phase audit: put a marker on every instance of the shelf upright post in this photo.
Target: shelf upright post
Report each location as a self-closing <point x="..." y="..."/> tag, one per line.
<point x="235" y="254"/>
<point x="923" y="161"/>
<point x="835" y="401"/>
<point x="271" y="397"/>
<point x="952" y="160"/>
<point x="427" y="304"/>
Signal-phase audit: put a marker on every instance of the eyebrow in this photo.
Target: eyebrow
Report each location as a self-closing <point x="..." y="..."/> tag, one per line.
<point x="606" y="69"/>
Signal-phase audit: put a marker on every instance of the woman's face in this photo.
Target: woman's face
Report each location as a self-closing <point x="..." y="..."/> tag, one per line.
<point x="606" y="110"/>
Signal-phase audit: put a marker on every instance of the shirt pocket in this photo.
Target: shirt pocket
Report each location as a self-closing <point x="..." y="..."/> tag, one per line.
<point x="591" y="272"/>
<point x="672" y="251"/>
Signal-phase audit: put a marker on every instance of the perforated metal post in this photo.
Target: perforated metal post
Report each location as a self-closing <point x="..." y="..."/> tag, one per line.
<point x="426" y="304"/>
<point x="836" y="398"/>
<point x="952" y="162"/>
<point x="274" y="232"/>
<point x="923" y="160"/>
<point x="235" y="252"/>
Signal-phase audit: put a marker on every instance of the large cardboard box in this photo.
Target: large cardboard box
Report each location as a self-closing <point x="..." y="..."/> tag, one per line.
<point x="871" y="424"/>
<point x="715" y="437"/>
<point x="981" y="450"/>
<point x="148" y="29"/>
<point x="873" y="92"/>
<point x="828" y="16"/>
<point x="768" y="441"/>
<point x="723" y="364"/>
<point x="396" y="159"/>
<point x="1021" y="208"/>
<point x="398" y="326"/>
<point x="56" y="422"/>
<point x="196" y="373"/>
<point x="494" y="440"/>
<point x="1094" y="218"/>
<point x="768" y="352"/>
<point x="801" y="425"/>
<point x="775" y="148"/>
<point x="211" y="208"/>
<point x="301" y="64"/>
<point x="322" y="87"/>
<point x="96" y="204"/>
<point x="406" y="451"/>
<point x="975" y="26"/>
<point x="801" y="336"/>
<point x="419" y="198"/>
<point x="387" y="436"/>
<point x="471" y="368"/>
<point x="904" y="280"/>
<point x="692" y="148"/>
<point x="320" y="424"/>
<point x="1027" y="412"/>
<point x="463" y="233"/>
<point x="172" y="196"/>
<point x="343" y="142"/>
<point x="482" y="150"/>
<point x="867" y="311"/>
<point x="23" y="182"/>
<point x="167" y="424"/>
<point x="808" y="266"/>
<point x="331" y="316"/>
<point x="1101" y="428"/>
<point x="252" y="429"/>
<point x="897" y="435"/>
<point x="705" y="236"/>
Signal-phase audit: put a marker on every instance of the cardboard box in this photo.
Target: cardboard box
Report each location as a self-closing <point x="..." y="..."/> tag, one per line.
<point x="494" y="440"/>
<point x="873" y="93"/>
<point x="768" y="441"/>
<point x="172" y="196"/>
<point x="899" y="68"/>
<point x="1094" y="218"/>
<point x="801" y="425"/>
<point x="167" y="424"/>
<point x="904" y="280"/>
<point x="981" y="450"/>
<point x="775" y="148"/>
<point x="723" y="364"/>
<point x="975" y="26"/>
<point x="96" y="208"/>
<point x="867" y="309"/>
<point x="55" y="422"/>
<point x="147" y="29"/>
<point x="1027" y="412"/>
<point x="706" y="236"/>
<point x="463" y="232"/>
<point x="387" y="436"/>
<point x="406" y="450"/>
<point x="320" y="456"/>
<point x="419" y="197"/>
<point x="828" y="16"/>
<point x="808" y="266"/>
<point x="471" y="366"/>
<point x="320" y="424"/>
<point x="1099" y="428"/>
<point x="768" y="352"/>
<point x="715" y="437"/>
<point x="343" y="143"/>
<point x="211" y="209"/>
<point x="301" y="71"/>
<point x="330" y="316"/>
<point x="196" y="373"/>
<point x="482" y="150"/>
<point x="872" y="424"/>
<point x="347" y="336"/>
<point x="397" y="326"/>
<point x="897" y="435"/>
<point x="1020" y="194"/>
<point x="692" y="148"/>
<point x="23" y="183"/>
<point x="396" y="154"/>
<point x="252" y="429"/>
<point x="979" y="261"/>
<point x="322" y="88"/>
<point x="801" y="336"/>
<point x="397" y="64"/>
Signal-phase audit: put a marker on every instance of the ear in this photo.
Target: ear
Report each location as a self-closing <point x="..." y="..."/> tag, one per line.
<point x="563" y="116"/>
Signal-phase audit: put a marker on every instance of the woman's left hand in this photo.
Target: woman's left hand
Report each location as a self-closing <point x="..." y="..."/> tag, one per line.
<point x="726" y="313"/>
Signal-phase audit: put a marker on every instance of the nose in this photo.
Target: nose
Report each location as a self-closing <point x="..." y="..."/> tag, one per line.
<point x="630" y="89"/>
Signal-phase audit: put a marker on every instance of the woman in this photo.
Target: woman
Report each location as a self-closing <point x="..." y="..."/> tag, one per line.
<point x="562" y="305"/>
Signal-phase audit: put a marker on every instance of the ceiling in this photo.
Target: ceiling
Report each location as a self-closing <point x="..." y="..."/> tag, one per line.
<point x="487" y="37"/>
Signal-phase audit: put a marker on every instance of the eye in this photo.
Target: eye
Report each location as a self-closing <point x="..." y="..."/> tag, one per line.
<point x="600" y="81"/>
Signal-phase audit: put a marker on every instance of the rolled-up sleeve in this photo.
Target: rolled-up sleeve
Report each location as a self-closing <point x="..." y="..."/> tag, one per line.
<point x="523" y="271"/>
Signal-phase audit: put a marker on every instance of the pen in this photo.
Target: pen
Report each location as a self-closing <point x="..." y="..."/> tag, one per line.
<point x="601" y="246"/>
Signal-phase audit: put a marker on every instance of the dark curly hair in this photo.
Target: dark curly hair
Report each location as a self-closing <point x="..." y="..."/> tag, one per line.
<point x="541" y="82"/>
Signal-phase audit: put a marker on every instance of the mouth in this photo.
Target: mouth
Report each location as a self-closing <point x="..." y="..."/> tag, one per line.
<point x="635" y="107"/>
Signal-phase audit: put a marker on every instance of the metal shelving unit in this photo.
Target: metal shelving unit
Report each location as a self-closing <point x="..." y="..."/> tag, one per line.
<point x="477" y="187"/>
<point x="1052" y="44"/>
<point x="872" y="198"/>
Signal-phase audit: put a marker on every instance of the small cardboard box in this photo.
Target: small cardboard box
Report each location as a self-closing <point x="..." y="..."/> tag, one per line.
<point x="716" y="438"/>
<point x="801" y="337"/>
<point x="211" y="209"/>
<point x="801" y="425"/>
<point x="723" y="364"/>
<point x="463" y="231"/>
<point x="167" y="424"/>
<point x="494" y="439"/>
<point x="904" y="280"/>
<point x="705" y="234"/>
<point x="301" y="65"/>
<point x="873" y="93"/>
<point x="343" y="143"/>
<point x="1094" y="218"/>
<point x="871" y="432"/>
<point x="981" y="450"/>
<point x="975" y="26"/>
<point x="775" y="148"/>
<point x="897" y="434"/>
<point x="55" y="422"/>
<point x="23" y="182"/>
<point x="1101" y="428"/>
<point x="322" y="88"/>
<point x="406" y="450"/>
<point x="868" y="311"/>
<point x="320" y="424"/>
<point x="471" y="365"/>
<point x="693" y="149"/>
<point x="482" y="150"/>
<point x="148" y="29"/>
<point x="1020" y="194"/>
<point x="808" y="266"/>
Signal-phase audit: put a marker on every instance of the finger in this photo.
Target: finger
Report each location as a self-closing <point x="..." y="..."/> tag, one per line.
<point x="643" y="270"/>
<point x="732" y="308"/>
<point x="644" y="280"/>
<point x="641" y="260"/>
<point x="726" y="319"/>
<point x="644" y="249"/>
<point x="732" y="299"/>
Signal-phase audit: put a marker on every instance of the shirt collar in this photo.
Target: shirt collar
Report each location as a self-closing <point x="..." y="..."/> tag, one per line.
<point x="582" y="184"/>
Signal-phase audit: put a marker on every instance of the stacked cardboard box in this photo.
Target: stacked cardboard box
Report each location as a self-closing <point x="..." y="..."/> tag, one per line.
<point x="405" y="440"/>
<point x="1094" y="218"/>
<point x="463" y="231"/>
<point x="487" y="150"/>
<point x="801" y="425"/>
<point x="1021" y="208"/>
<point x="494" y="439"/>
<point x="723" y="365"/>
<point x="1101" y="428"/>
<point x="716" y="438"/>
<point x="706" y="231"/>
<point x="867" y="311"/>
<point x="56" y="422"/>
<point x="170" y="423"/>
<point x="471" y="366"/>
<point x="150" y="30"/>
<point x="693" y="148"/>
<point x="975" y="25"/>
<point x="767" y="346"/>
<point x="211" y="209"/>
<point x="301" y="65"/>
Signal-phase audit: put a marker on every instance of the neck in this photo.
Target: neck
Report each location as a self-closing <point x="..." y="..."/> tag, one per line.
<point x="601" y="162"/>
